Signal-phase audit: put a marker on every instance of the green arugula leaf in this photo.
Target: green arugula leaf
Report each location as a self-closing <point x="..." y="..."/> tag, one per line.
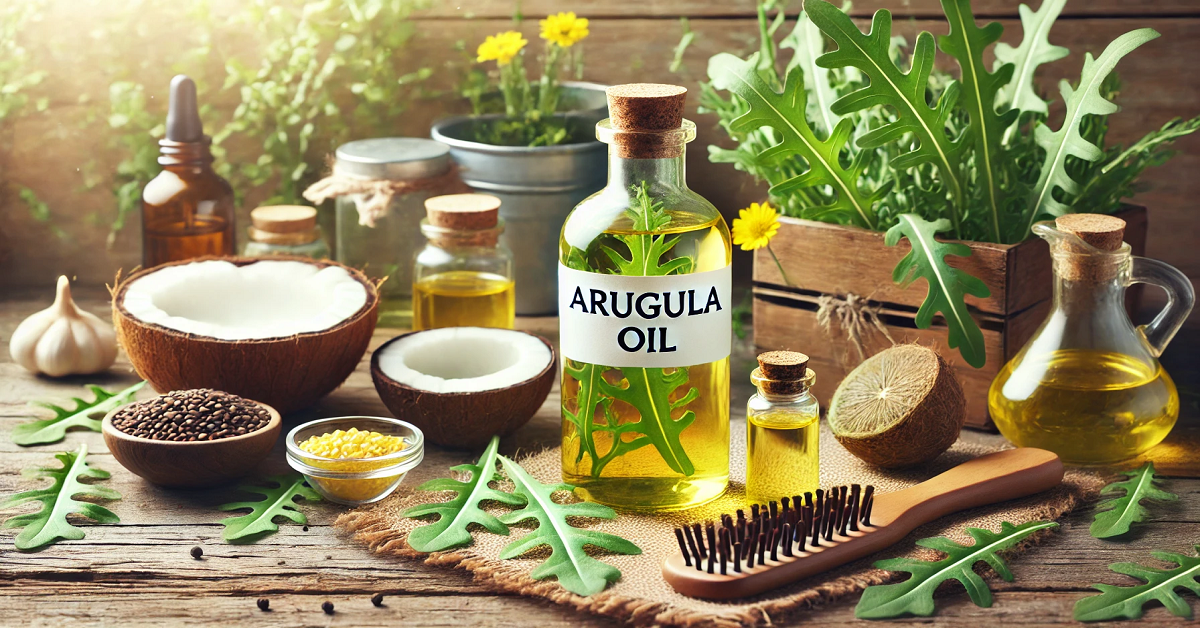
<point x="279" y="502"/>
<point x="584" y="418"/>
<point x="646" y="251"/>
<point x="1116" y="179"/>
<point x="649" y="390"/>
<point x="808" y="42"/>
<point x="966" y="43"/>
<point x="785" y="114"/>
<point x="1081" y="102"/>
<point x="45" y="431"/>
<point x="49" y="524"/>
<point x="915" y="595"/>
<point x="1122" y="512"/>
<point x="1034" y="50"/>
<point x="568" y="561"/>
<point x="1160" y="584"/>
<point x="454" y="516"/>
<point x="948" y="286"/>
<point x="904" y="92"/>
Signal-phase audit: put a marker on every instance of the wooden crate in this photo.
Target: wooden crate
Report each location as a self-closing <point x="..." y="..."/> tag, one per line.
<point x="823" y="259"/>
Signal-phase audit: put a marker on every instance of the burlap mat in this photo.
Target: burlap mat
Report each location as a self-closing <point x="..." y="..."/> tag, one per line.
<point x="642" y="596"/>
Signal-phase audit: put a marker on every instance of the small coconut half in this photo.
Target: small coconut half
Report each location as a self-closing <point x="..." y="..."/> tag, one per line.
<point x="461" y="385"/>
<point x="283" y="331"/>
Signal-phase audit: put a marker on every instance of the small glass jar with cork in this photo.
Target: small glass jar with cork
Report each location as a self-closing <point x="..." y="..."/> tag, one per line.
<point x="464" y="276"/>
<point x="782" y="428"/>
<point x="285" y="230"/>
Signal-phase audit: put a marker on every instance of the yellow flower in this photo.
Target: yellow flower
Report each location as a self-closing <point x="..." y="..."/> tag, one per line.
<point x="564" y="29"/>
<point x="755" y="226"/>
<point x="501" y="48"/>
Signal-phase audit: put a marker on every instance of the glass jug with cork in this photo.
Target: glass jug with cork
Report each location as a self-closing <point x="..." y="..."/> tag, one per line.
<point x="644" y="315"/>
<point x="1088" y="385"/>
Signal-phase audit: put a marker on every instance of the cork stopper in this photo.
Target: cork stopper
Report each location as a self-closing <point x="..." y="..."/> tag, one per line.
<point x="463" y="212"/>
<point x="782" y="373"/>
<point x="783" y="364"/>
<point x="1106" y="233"/>
<point x="639" y="112"/>
<point x="284" y="218"/>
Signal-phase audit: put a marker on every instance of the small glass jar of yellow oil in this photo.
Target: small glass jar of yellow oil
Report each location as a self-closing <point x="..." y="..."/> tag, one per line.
<point x="464" y="276"/>
<point x="782" y="429"/>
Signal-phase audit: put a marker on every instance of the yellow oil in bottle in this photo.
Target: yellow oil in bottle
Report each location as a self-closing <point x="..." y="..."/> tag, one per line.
<point x="1090" y="407"/>
<point x="639" y="478"/>
<point x="782" y="455"/>
<point x="463" y="298"/>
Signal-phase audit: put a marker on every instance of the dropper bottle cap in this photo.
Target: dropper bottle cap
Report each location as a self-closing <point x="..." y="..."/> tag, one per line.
<point x="183" y="114"/>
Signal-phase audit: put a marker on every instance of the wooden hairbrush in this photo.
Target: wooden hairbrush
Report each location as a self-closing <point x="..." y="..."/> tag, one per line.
<point x="784" y="542"/>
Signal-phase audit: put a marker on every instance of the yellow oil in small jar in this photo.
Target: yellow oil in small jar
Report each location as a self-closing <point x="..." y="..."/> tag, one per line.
<point x="782" y="455"/>
<point x="462" y="298"/>
<point x="1090" y="407"/>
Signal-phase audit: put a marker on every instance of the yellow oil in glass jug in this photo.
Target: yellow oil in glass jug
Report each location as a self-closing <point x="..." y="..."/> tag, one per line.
<point x="1088" y="385"/>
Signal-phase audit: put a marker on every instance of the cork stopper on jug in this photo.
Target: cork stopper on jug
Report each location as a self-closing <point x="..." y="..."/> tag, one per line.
<point x="1101" y="232"/>
<point x="781" y="372"/>
<point x="640" y="112"/>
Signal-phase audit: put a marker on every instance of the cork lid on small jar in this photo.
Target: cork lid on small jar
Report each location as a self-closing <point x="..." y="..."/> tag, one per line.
<point x="284" y="224"/>
<point x="642" y="114"/>
<point x="1106" y="233"/>
<point x="782" y="373"/>
<point x="470" y="219"/>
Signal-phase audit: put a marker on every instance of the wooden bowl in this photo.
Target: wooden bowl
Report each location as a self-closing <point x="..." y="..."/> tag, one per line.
<point x="192" y="464"/>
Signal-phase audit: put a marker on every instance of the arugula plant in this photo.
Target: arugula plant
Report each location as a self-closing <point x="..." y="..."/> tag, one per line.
<point x="85" y="414"/>
<point x="575" y="570"/>
<point x="1116" y="515"/>
<point x="49" y="524"/>
<point x="915" y="595"/>
<point x="280" y="502"/>
<point x="648" y="390"/>
<point x="1160" y="584"/>
<point x="867" y="132"/>
<point x="455" y="516"/>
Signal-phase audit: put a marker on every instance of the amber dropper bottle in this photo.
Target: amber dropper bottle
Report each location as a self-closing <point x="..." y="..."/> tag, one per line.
<point x="187" y="210"/>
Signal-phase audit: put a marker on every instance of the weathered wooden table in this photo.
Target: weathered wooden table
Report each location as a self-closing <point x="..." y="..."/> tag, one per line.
<point x="140" y="572"/>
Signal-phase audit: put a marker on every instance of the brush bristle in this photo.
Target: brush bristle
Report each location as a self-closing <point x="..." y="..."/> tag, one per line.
<point x="785" y="527"/>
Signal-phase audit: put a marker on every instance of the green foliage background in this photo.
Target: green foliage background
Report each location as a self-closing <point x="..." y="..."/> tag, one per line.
<point x="282" y="83"/>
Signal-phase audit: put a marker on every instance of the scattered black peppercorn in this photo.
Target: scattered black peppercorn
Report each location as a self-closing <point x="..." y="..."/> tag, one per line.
<point x="377" y="599"/>
<point x="264" y="604"/>
<point x="327" y="607"/>
<point x="197" y="552"/>
<point x="306" y="528"/>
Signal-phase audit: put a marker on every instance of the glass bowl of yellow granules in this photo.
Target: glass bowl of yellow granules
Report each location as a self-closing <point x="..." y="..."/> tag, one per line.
<point x="355" y="460"/>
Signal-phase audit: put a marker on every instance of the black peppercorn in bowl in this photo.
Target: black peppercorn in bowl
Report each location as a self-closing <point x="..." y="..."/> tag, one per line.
<point x="191" y="438"/>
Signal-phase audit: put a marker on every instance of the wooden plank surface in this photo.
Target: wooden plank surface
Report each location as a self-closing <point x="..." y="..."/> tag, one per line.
<point x="139" y="572"/>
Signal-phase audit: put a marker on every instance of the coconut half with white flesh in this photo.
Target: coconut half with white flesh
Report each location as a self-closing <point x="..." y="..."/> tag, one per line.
<point x="283" y="331"/>
<point x="461" y="385"/>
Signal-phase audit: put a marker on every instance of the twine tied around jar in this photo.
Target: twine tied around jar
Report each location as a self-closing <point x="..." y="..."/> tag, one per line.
<point x="856" y="317"/>
<point x="372" y="197"/>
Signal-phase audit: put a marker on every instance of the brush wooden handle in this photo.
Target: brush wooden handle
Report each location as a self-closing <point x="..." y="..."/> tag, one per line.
<point x="984" y="480"/>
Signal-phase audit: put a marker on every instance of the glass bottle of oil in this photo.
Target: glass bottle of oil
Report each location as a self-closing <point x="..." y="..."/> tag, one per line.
<point x="1088" y="385"/>
<point x="187" y="210"/>
<point x="464" y="276"/>
<point x="782" y="429"/>
<point x="644" y="311"/>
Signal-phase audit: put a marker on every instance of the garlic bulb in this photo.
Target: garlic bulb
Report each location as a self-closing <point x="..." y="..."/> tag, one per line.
<point x="63" y="339"/>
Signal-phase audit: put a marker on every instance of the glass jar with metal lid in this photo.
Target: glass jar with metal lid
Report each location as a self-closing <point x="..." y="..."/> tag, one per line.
<point x="380" y="186"/>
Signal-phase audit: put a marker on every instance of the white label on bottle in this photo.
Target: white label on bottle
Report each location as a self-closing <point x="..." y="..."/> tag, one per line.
<point x="654" y="322"/>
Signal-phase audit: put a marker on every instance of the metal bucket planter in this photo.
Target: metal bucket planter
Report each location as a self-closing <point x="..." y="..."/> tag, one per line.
<point x="537" y="188"/>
